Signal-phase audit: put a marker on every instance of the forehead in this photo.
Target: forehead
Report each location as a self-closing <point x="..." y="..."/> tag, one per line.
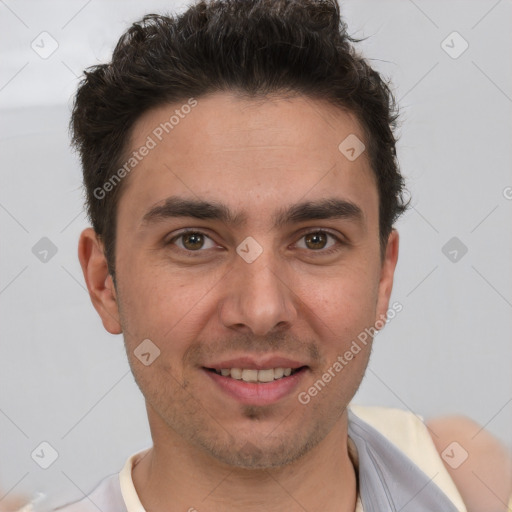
<point x="248" y="153"/>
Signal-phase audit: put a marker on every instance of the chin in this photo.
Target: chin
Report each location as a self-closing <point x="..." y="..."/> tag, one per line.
<point x="261" y="455"/>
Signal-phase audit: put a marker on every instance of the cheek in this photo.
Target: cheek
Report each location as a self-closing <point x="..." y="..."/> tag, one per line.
<point x="344" y="302"/>
<point x="162" y="305"/>
<point x="344" y="315"/>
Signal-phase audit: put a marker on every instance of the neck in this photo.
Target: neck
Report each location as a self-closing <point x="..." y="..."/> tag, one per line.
<point x="173" y="471"/>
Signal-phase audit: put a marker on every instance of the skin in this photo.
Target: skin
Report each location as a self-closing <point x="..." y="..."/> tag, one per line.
<point x="211" y="452"/>
<point x="10" y="503"/>
<point x="485" y="477"/>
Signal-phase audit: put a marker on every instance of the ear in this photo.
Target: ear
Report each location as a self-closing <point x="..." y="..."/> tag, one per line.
<point x="387" y="274"/>
<point x="98" y="279"/>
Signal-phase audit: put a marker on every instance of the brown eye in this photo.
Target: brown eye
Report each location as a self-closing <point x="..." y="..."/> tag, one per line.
<point x="316" y="240"/>
<point x="193" y="241"/>
<point x="319" y="240"/>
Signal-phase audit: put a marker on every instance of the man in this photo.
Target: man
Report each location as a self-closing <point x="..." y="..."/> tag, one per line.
<point x="242" y="183"/>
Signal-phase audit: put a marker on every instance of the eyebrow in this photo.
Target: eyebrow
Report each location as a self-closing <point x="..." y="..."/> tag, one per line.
<point x="330" y="208"/>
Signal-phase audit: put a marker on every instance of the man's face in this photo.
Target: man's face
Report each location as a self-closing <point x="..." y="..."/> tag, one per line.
<point x="209" y="298"/>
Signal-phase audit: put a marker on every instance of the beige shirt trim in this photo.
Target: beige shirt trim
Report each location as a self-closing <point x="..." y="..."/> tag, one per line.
<point x="130" y="496"/>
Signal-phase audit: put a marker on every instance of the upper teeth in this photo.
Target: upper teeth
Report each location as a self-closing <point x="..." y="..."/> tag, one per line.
<point x="255" y="375"/>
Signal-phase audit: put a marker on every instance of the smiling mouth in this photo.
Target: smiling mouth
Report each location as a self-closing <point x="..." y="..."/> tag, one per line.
<point x="258" y="376"/>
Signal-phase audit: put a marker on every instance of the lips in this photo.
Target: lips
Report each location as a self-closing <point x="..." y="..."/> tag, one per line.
<point x="252" y="363"/>
<point x="257" y="381"/>
<point x="261" y="376"/>
<point x="249" y="369"/>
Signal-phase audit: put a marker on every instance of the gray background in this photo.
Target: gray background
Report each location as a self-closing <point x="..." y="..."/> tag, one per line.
<point x="66" y="381"/>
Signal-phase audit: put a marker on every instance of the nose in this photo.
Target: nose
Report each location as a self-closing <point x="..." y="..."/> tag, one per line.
<point x="258" y="300"/>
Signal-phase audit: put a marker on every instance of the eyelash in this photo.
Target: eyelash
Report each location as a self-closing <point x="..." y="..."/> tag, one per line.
<point x="193" y="254"/>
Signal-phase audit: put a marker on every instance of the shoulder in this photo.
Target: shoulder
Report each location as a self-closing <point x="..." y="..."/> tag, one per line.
<point x="479" y="464"/>
<point x="407" y="431"/>
<point x="105" y="497"/>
